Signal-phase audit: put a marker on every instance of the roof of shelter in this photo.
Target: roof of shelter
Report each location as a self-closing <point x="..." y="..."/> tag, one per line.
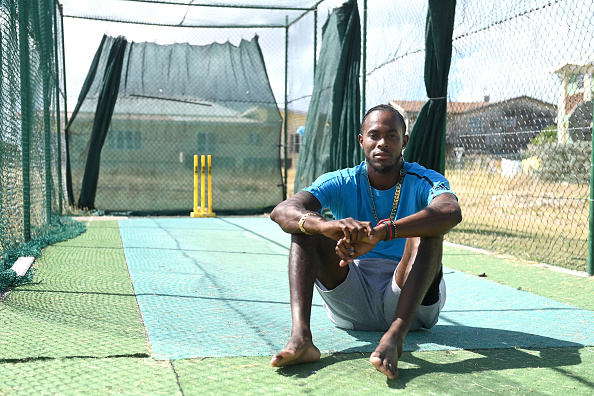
<point x="192" y="13"/>
<point x="414" y="106"/>
<point x="178" y="109"/>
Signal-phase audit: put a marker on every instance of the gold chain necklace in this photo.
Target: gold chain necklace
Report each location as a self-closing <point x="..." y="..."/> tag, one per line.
<point x="396" y="194"/>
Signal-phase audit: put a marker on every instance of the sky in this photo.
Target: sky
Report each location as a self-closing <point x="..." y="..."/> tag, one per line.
<point x="506" y="60"/>
<point x="82" y="38"/>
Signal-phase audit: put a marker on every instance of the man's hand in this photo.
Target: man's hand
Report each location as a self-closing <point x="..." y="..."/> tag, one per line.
<point x="350" y="250"/>
<point x="348" y="229"/>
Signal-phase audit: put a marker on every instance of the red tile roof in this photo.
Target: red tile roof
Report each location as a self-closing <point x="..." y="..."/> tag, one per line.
<point x="414" y="106"/>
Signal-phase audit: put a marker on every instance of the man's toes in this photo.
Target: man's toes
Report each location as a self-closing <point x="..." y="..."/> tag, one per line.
<point x="276" y="360"/>
<point x="376" y="361"/>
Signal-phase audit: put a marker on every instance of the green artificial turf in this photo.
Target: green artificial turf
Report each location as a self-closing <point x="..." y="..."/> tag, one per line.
<point x="566" y="288"/>
<point x="548" y="371"/>
<point x="82" y="303"/>
<point x="78" y="331"/>
<point x="88" y="376"/>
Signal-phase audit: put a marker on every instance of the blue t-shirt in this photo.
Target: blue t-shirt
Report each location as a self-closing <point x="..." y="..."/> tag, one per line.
<point x="339" y="191"/>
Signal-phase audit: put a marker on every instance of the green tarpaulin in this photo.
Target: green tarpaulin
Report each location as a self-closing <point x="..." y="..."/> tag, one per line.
<point x="146" y="110"/>
<point x="427" y="138"/>
<point x="333" y="118"/>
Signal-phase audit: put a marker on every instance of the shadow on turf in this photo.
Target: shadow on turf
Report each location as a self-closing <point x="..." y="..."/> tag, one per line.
<point x="443" y="337"/>
<point x="499" y="350"/>
<point x="492" y="360"/>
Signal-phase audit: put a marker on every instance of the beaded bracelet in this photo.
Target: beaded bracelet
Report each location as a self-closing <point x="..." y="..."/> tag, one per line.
<point x="302" y="221"/>
<point x="391" y="230"/>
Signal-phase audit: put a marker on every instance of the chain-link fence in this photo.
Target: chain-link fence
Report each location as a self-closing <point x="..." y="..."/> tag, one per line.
<point x="519" y="99"/>
<point x="32" y="115"/>
<point x="519" y="125"/>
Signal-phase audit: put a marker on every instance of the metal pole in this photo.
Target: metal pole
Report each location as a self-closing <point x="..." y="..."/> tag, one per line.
<point x="58" y="123"/>
<point x="26" y="104"/>
<point x="364" y="59"/>
<point x="285" y="123"/>
<point x="315" y="38"/>
<point x="590" y="265"/>
<point x="64" y="66"/>
<point x="46" y="69"/>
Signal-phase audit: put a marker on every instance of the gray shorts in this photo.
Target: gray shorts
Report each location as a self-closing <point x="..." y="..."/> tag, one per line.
<point x="368" y="297"/>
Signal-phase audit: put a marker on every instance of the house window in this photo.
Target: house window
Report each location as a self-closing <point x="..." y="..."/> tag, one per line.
<point x="476" y="125"/>
<point x="207" y="143"/>
<point x="295" y="143"/>
<point x="124" y="140"/>
<point x="509" y="122"/>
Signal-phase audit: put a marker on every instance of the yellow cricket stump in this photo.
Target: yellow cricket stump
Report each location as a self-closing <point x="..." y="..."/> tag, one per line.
<point x="205" y="208"/>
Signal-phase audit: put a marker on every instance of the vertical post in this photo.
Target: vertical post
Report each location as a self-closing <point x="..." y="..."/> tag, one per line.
<point x="285" y="123"/>
<point x="46" y="70"/>
<point x="202" y="186"/>
<point x="195" y="184"/>
<point x="590" y="265"/>
<point x="26" y="104"/>
<point x="209" y="163"/>
<point x="64" y="66"/>
<point x="58" y="123"/>
<point x="315" y="38"/>
<point x="364" y="59"/>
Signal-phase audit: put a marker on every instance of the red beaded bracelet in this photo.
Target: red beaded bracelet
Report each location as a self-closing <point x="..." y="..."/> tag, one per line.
<point x="390" y="229"/>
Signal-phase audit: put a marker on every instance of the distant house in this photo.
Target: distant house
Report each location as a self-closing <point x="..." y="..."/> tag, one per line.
<point x="490" y="127"/>
<point x="173" y="131"/>
<point x="574" y="112"/>
<point x="152" y="141"/>
<point x="295" y="127"/>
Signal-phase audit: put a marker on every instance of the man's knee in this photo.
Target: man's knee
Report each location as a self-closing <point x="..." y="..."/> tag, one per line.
<point x="317" y="241"/>
<point x="315" y="245"/>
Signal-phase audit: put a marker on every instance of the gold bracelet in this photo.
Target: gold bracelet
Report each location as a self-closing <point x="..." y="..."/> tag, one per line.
<point x="395" y="229"/>
<point x="302" y="221"/>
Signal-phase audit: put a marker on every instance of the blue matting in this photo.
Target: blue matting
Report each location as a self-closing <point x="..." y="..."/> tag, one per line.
<point x="219" y="287"/>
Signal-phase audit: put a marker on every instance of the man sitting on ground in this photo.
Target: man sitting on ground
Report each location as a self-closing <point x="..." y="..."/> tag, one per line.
<point x="372" y="274"/>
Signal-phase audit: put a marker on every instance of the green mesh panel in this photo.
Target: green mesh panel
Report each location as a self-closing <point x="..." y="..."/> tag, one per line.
<point x="330" y="137"/>
<point x="31" y="96"/>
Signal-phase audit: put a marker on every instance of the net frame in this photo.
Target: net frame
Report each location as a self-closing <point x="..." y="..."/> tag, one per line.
<point x="377" y="70"/>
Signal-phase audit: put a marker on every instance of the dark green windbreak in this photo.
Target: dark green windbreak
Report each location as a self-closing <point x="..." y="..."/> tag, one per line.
<point x="81" y="97"/>
<point x="147" y="109"/>
<point x="332" y="125"/>
<point x="105" y="105"/>
<point x="32" y="94"/>
<point x="427" y="138"/>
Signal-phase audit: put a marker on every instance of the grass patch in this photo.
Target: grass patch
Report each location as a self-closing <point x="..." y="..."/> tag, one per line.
<point x="522" y="216"/>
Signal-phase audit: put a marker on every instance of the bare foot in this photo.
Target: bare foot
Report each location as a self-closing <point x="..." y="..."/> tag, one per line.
<point x="385" y="357"/>
<point x="298" y="350"/>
